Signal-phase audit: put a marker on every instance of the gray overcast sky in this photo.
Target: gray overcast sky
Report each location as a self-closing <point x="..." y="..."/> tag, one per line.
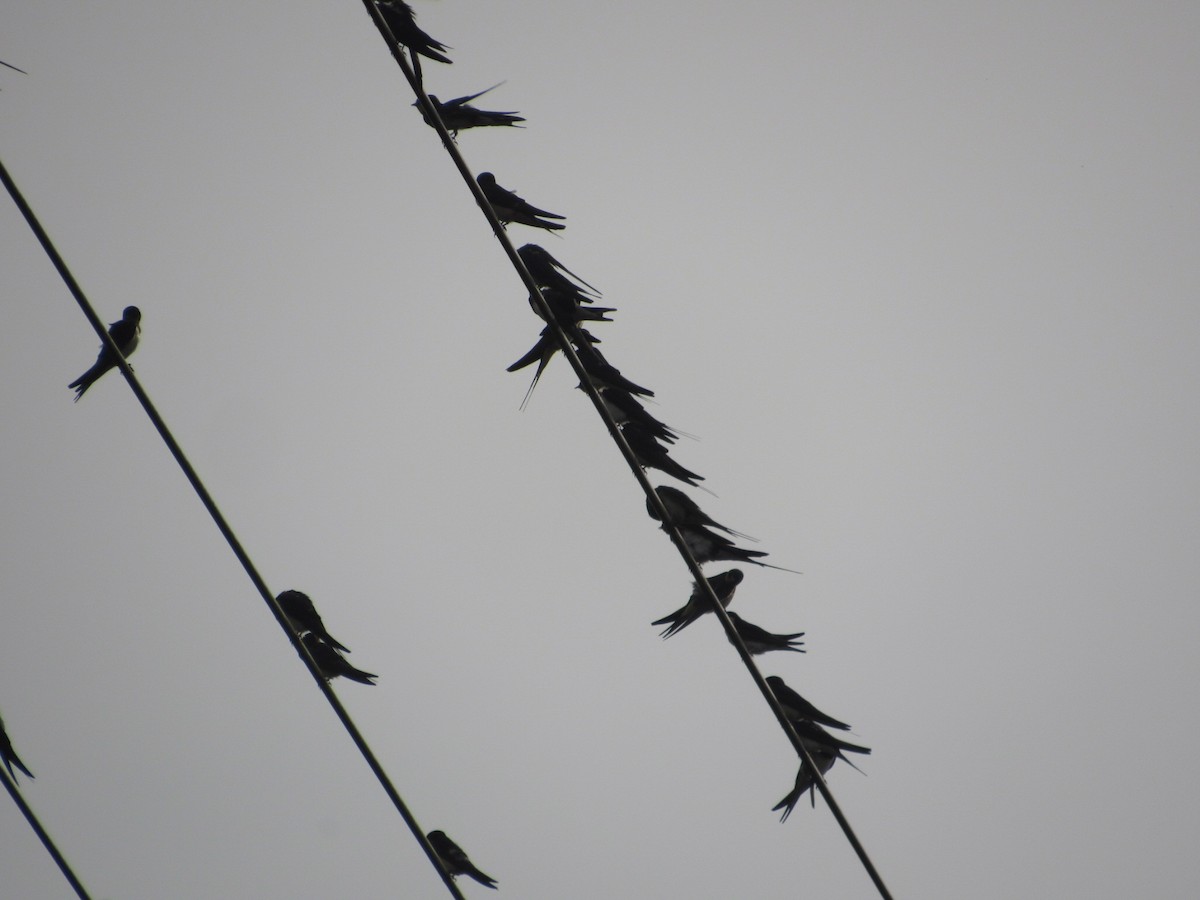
<point x="921" y="277"/>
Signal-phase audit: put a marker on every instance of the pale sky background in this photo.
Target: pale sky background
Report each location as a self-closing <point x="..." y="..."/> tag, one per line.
<point x="922" y="278"/>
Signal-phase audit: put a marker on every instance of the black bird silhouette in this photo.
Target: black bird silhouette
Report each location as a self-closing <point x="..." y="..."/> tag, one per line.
<point x="759" y="640"/>
<point x="698" y="604"/>
<point x="509" y="207"/>
<point x="331" y="663"/>
<point x="548" y="272"/>
<point x="603" y="374"/>
<point x="806" y="781"/>
<point x="303" y="616"/>
<point x="817" y="740"/>
<point x="624" y="407"/>
<point x="402" y="22"/>
<point x="653" y="455"/>
<point x="707" y="546"/>
<point x="459" y="115"/>
<point x="684" y="511"/>
<point x="9" y="755"/>
<point x="797" y="708"/>
<point x="542" y="351"/>
<point x="125" y="334"/>
<point x="455" y="860"/>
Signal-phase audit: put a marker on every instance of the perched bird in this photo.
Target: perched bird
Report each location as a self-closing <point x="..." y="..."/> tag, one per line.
<point x="817" y="740"/>
<point x="797" y="708"/>
<point x="653" y="455"/>
<point x="624" y="407"/>
<point x="698" y="604"/>
<point x="331" y="663"/>
<point x="805" y="781"/>
<point x="542" y="351"/>
<point x="9" y="755"/>
<point x="459" y="115"/>
<point x="684" y="511"/>
<point x="603" y="374"/>
<point x="509" y="207"/>
<point x="402" y="22"/>
<point x="706" y="546"/>
<point x="548" y="272"/>
<point x="759" y="640"/>
<point x="303" y="616"/>
<point x="455" y="860"/>
<point x="125" y="334"/>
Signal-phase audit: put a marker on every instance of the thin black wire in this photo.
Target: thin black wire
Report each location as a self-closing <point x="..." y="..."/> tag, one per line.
<point x="226" y="531"/>
<point x="47" y="842"/>
<point x="415" y="82"/>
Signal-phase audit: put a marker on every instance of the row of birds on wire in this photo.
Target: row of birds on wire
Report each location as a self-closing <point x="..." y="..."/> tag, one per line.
<point x="571" y="300"/>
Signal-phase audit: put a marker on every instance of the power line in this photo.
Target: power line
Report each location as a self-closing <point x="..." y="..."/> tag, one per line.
<point x="413" y="76"/>
<point x="225" y="529"/>
<point x="43" y="836"/>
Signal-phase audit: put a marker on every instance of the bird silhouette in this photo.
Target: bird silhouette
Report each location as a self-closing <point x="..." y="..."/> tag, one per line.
<point x="759" y="640"/>
<point x="510" y="207"/>
<point x="459" y="115"/>
<point x="125" y="334"/>
<point x="9" y="756"/>
<point x="806" y="781"/>
<point x="698" y="604"/>
<point x="797" y="708"/>
<point x="331" y="663"/>
<point x="402" y="22"/>
<point x="303" y="616"/>
<point x="456" y="861"/>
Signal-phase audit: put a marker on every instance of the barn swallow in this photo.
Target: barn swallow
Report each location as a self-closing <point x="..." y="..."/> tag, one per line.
<point x="624" y="407"/>
<point x="567" y="310"/>
<point x="759" y="640"/>
<point x="303" y="616"/>
<point x="806" y="781"/>
<point x="684" y="511"/>
<point x="797" y="708"/>
<point x="548" y="272"/>
<point x="698" y="604"/>
<point x="331" y="663"/>
<point x="706" y="546"/>
<point x="458" y="114"/>
<point x="546" y="347"/>
<point x="604" y="374"/>
<point x="817" y="740"/>
<point x="9" y="755"/>
<point x="509" y="207"/>
<point x="402" y="22"/>
<point x="125" y="334"/>
<point x="455" y="860"/>
<point x="653" y="455"/>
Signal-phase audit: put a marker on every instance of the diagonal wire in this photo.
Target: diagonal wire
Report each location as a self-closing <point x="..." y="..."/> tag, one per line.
<point x="10" y="785"/>
<point x="226" y="531"/>
<point x="415" y="82"/>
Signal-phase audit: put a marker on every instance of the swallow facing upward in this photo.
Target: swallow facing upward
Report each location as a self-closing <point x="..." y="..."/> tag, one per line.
<point x="509" y="207"/>
<point x="698" y="604"/>
<point x="303" y="616"/>
<point x="9" y="756"/>
<point x="331" y="663"/>
<point x="125" y="334"/>
<point x="759" y="640"/>
<point x="684" y="511"/>
<point x="402" y="22"/>
<point x="548" y="272"/>
<point x="455" y="860"/>
<point x="459" y="115"/>
<point x="797" y="708"/>
<point x="805" y="781"/>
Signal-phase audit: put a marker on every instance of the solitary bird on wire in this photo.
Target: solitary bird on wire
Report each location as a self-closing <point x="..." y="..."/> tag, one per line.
<point x="759" y="640"/>
<point x="303" y="616"/>
<point x="698" y="604"/>
<point x="9" y="755"/>
<point x="402" y="22"/>
<point x="806" y="781"/>
<point x="459" y="115"/>
<point x="125" y="335"/>
<point x="455" y="860"/>
<point x="797" y="708"/>
<point x="509" y="207"/>
<point x="331" y="664"/>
